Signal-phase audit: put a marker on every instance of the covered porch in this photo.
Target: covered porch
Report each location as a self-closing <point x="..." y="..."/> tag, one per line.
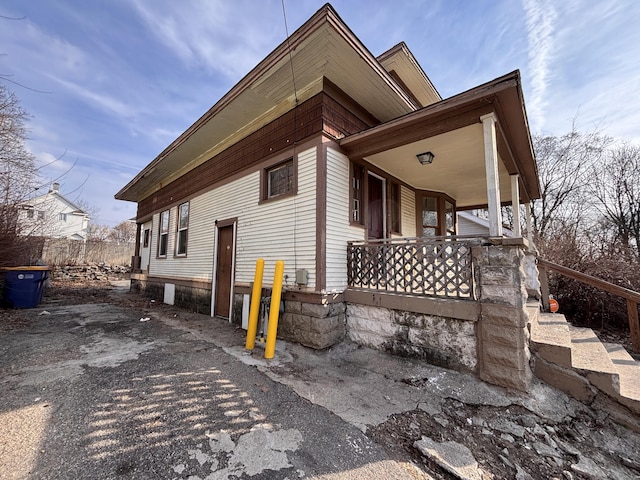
<point x="453" y="299"/>
<point x="471" y="151"/>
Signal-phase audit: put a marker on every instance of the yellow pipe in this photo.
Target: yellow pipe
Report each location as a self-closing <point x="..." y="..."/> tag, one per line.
<point x="274" y="310"/>
<point x="255" y="305"/>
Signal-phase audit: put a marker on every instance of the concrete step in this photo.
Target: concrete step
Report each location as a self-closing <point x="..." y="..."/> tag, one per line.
<point x="589" y="356"/>
<point x="550" y="338"/>
<point x="629" y="371"/>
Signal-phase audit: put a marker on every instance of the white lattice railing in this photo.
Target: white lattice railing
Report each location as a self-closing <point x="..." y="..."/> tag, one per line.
<point x="419" y="266"/>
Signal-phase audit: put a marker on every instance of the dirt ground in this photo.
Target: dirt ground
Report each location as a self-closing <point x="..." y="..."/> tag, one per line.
<point x="521" y="445"/>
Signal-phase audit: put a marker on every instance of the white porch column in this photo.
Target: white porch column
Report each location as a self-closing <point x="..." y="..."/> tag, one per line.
<point x="527" y="212"/>
<point x="515" y="204"/>
<point x="491" y="169"/>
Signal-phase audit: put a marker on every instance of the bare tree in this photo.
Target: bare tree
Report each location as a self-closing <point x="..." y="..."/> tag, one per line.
<point x="616" y="186"/>
<point x="565" y="168"/>
<point x="98" y="233"/>
<point x="17" y="175"/>
<point x="124" y="232"/>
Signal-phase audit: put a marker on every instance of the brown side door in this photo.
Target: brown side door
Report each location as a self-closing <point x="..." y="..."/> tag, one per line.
<point x="224" y="271"/>
<point x="375" y="220"/>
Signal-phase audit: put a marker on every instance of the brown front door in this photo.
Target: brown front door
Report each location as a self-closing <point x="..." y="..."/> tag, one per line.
<point x="224" y="271"/>
<point x="375" y="207"/>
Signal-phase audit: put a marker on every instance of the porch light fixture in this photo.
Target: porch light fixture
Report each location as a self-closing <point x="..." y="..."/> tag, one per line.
<point x="425" y="158"/>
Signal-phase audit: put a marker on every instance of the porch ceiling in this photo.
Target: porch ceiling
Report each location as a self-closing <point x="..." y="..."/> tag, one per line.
<point x="457" y="170"/>
<point x="452" y="130"/>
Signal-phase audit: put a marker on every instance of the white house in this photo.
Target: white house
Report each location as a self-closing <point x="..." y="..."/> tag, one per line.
<point x="352" y="174"/>
<point x="54" y="216"/>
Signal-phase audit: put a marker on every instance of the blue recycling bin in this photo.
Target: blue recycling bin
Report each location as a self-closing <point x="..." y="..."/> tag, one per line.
<point x="23" y="286"/>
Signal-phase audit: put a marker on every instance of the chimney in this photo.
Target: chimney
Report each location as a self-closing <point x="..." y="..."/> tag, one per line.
<point x="56" y="187"/>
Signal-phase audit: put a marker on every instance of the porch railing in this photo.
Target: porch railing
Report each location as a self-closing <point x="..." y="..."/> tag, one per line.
<point x="420" y="266"/>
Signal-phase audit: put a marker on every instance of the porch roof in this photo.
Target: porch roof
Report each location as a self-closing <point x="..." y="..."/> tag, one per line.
<point x="453" y="131"/>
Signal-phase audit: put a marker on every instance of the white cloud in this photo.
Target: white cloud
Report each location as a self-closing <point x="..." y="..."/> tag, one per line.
<point x="222" y="36"/>
<point x="540" y="21"/>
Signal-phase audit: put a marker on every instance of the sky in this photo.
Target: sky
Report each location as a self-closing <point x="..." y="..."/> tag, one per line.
<point x="109" y="84"/>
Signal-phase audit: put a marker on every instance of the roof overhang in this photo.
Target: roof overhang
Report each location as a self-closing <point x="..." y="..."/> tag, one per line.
<point x="324" y="47"/>
<point x="453" y="131"/>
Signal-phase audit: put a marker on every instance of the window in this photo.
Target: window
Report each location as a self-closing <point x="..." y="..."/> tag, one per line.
<point x="40" y="214"/>
<point x="30" y="213"/>
<point x="62" y="217"/>
<point x="438" y="214"/>
<point x="183" y="224"/>
<point x="163" y="234"/>
<point x="280" y="179"/>
<point x="145" y="242"/>
<point x="450" y="218"/>
<point x="356" y="194"/>
<point x="394" y="207"/>
<point x="429" y="216"/>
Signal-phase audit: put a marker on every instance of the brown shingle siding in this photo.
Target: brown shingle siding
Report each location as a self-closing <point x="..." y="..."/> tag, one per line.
<point x="320" y="113"/>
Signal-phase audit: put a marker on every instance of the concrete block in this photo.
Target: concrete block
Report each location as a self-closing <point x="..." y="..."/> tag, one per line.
<point x="366" y="339"/>
<point x="314" y="310"/>
<point x="373" y="327"/>
<point x="500" y="275"/>
<point x="564" y="379"/>
<point x="327" y="324"/>
<point x="513" y="295"/>
<point x="505" y="255"/>
<point x="409" y="319"/>
<point x="516" y="358"/>
<point x="503" y="315"/>
<point x="512" y="337"/>
<point x="505" y="376"/>
<point x="292" y="307"/>
<point x="299" y="322"/>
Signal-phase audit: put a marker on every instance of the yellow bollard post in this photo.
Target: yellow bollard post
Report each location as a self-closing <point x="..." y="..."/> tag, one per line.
<point x="274" y="311"/>
<point x="255" y="305"/>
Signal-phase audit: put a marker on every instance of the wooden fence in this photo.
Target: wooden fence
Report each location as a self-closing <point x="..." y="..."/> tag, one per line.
<point x="59" y="252"/>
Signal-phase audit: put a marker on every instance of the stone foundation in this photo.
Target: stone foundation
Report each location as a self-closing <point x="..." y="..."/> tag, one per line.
<point x="315" y="325"/>
<point x="190" y="297"/>
<point x="442" y="341"/>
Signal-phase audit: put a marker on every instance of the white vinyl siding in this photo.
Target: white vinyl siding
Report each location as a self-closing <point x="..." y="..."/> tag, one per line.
<point x="408" y="212"/>
<point x="339" y="231"/>
<point x="281" y="229"/>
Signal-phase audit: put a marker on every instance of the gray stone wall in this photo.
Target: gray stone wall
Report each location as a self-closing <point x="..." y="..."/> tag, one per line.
<point x="315" y="325"/>
<point x="501" y="289"/>
<point x="441" y="341"/>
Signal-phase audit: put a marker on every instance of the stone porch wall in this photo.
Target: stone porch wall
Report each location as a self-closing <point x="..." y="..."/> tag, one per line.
<point x="448" y="342"/>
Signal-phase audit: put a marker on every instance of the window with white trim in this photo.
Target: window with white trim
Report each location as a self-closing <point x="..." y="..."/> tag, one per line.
<point x="163" y="234"/>
<point x="183" y="226"/>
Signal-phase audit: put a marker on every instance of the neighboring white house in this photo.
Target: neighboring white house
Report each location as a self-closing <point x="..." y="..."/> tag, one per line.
<point x="54" y="216"/>
<point x="470" y="224"/>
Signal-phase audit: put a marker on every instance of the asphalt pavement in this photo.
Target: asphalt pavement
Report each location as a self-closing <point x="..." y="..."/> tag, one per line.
<point x="133" y="389"/>
<point x="99" y="391"/>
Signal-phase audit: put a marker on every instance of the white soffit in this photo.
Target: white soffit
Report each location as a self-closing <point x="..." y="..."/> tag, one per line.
<point x="456" y="170"/>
